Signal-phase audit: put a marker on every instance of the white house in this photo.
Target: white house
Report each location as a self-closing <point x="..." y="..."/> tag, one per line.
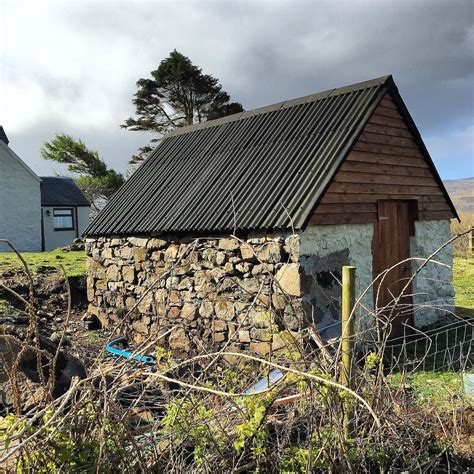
<point x="65" y="211"/>
<point x="37" y="213"/>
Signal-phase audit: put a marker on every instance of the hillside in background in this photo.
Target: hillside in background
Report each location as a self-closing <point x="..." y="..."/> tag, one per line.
<point x="462" y="193"/>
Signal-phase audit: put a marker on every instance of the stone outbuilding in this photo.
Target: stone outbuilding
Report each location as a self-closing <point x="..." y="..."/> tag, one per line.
<point x="234" y="231"/>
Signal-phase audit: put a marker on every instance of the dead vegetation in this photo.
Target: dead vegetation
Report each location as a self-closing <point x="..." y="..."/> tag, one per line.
<point x="201" y="414"/>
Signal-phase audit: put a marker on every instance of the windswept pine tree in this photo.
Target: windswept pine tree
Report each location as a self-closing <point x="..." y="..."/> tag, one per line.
<point x="178" y="94"/>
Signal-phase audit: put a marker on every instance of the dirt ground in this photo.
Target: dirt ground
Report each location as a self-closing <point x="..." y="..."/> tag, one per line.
<point x="50" y="303"/>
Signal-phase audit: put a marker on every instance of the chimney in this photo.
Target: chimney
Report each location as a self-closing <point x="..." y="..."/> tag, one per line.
<point x="3" y="135"/>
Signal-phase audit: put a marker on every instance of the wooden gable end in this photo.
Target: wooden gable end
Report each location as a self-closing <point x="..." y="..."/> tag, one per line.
<point x="385" y="164"/>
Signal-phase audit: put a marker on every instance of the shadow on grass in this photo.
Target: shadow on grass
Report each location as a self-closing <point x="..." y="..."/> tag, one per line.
<point x="465" y="312"/>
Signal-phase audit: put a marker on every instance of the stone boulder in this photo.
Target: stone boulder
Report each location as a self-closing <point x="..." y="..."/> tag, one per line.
<point x="288" y="278"/>
<point x="77" y="245"/>
<point x="247" y="253"/>
<point x="229" y="244"/>
<point x="138" y="241"/>
<point x="179" y="341"/>
<point x="156" y="244"/>
<point x="271" y="252"/>
<point x="224" y="309"/>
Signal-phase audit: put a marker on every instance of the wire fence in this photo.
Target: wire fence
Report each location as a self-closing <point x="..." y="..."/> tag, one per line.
<point x="445" y="348"/>
<point x="200" y="413"/>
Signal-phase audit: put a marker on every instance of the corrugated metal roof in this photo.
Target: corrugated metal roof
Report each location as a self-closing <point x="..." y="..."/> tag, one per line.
<point x="265" y="168"/>
<point x="61" y="191"/>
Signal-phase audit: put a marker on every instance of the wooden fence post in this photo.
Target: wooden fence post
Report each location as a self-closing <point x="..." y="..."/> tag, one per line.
<point x="347" y="340"/>
<point x="471" y="241"/>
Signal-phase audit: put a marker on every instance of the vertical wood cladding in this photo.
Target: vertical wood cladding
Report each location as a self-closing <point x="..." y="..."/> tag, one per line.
<point x="391" y="245"/>
<point x="385" y="163"/>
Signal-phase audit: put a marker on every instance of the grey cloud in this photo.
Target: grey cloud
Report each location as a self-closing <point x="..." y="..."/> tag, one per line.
<point x="264" y="52"/>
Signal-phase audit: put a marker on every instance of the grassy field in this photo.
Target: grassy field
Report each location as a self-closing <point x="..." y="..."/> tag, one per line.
<point x="73" y="262"/>
<point x="463" y="279"/>
<point x="445" y="388"/>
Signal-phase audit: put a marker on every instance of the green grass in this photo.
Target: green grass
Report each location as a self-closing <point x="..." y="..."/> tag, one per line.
<point x="94" y="336"/>
<point x="463" y="280"/>
<point x="73" y="262"/>
<point x="443" y="388"/>
<point x="435" y="388"/>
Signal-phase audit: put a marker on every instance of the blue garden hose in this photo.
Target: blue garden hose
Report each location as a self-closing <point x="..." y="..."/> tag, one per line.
<point x="127" y="354"/>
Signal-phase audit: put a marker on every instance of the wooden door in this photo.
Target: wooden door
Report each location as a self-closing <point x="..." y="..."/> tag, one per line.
<point x="390" y="246"/>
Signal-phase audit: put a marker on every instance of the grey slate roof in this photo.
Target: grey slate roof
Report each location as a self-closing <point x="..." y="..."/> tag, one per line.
<point x="61" y="191"/>
<point x="3" y="135"/>
<point x="260" y="169"/>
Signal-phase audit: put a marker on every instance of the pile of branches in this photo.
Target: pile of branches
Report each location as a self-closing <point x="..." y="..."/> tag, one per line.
<point x="207" y="414"/>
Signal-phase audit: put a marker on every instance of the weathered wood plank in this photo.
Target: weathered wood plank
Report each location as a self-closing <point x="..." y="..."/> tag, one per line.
<point x="333" y="197"/>
<point x="378" y="138"/>
<point x="387" y="102"/>
<point x="435" y="215"/>
<point x="385" y="189"/>
<point x="389" y="112"/>
<point x="387" y="149"/>
<point x="434" y="206"/>
<point x="370" y="157"/>
<point x="371" y="178"/>
<point x="331" y="219"/>
<point x="389" y="121"/>
<point x="387" y="130"/>
<point x="341" y="208"/>
<point x="378" y="168"/>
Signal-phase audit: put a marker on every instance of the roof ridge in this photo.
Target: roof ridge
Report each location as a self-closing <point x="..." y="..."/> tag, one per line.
<point x="61" y="191"/>
<point x="281" y="105"/>
<point x="57" y="177"/>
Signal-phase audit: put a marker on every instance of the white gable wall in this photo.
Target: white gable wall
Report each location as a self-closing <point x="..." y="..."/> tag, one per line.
<point x="324" y="251"/>
<point x="20" y="203"/>
<point x="433" y="292"/>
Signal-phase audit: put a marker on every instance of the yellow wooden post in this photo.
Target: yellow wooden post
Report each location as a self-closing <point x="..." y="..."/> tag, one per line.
<point x="347" y="339"/>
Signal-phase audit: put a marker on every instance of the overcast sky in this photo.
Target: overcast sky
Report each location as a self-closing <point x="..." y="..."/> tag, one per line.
<point x="72" y="66"/>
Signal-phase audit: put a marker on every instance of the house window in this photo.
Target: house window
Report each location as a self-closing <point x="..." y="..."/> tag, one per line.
<point x="63" y="219"/>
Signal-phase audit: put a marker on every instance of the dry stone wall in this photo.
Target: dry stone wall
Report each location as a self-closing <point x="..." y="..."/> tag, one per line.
<point x="254" y="294"/>
<point x="207" y="293"/>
